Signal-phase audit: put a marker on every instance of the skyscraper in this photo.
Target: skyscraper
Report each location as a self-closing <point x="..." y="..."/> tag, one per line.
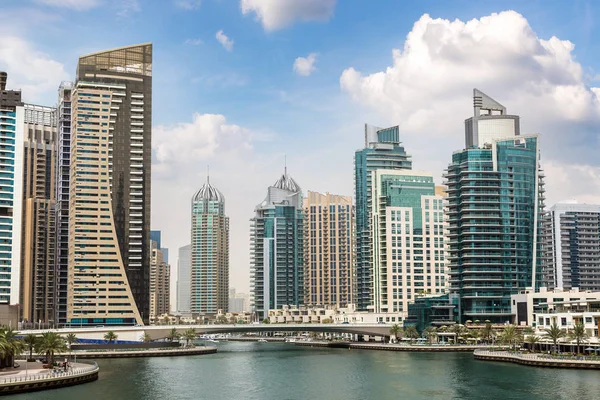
<point x="110" y="183"/>
<point x="184" y="277"/>
<point x="210" y="252"/>
<point x="495" y="203"/>
<point x="63" y="180"/>
<point x="383" y="150"/>
<point x="160" y="283"/>
<point x="408" y="239"/>
<point x="38" y="274"/>
<point x="276" y="248"/>
<point x="328" y="250"/>
<point x="571" y="243"/>
<point x="12" y="116"/>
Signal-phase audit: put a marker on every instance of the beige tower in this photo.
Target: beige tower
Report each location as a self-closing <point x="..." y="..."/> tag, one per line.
<point x="160" y="280"/>
<point x="39" y="233"/>
<point x="328" y="250"/>
<point x="99" y="292"/>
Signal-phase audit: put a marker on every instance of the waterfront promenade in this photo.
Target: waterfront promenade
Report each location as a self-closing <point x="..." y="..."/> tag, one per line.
<point x="30" y="376"/>
<point x="168" y="352"/>
<point x="441" y="348"/>
<point x="539" y="360"/>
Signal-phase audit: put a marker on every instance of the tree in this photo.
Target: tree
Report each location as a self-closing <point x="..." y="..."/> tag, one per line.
<point x="555" y="334"/>
<point x="579" y="335"/>
<point x="189" y="335"/>
<point x="266" y="321"/>
<point x="10" y="345"/>
<point x="532" y="340"/>
<point x="146" y="338"/>
<point x="31" y="341"/>
<point x="166" y="319"/>
<point x="50" y="344"/>
<point x="110" y="336"/>
<point x="70" y="339"/>
<point x="173" y="335"/>
<point x="430" y="333"/>
<point x="221" y="319"/>
<point x="459" y="331"/>
<point x="411" y="333"/>
<point x="487" y="333"/>
<point x="511" y="336"/>
<point x="397" y="331"/>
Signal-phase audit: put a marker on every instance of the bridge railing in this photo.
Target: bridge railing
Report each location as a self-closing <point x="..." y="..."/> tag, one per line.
<point x="50" y="374"/>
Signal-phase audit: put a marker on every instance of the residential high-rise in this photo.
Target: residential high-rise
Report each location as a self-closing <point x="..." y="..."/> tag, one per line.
<point x="210" y="252"/>
<point x="38" y="274"/>
<point x="408" y="239"/>
<point x="276" y="248"/>
<point x="12" y="115"/>
<point x="109" y="220"/>
<point x="63" y="180"/>
<point x="160" y="283"/>
<point x="571" y="246"/>
<point x="383" y="150"/>
<point x="495" y="203"/>
<point x="328" y="250"/>
<point x="184" y="279"/>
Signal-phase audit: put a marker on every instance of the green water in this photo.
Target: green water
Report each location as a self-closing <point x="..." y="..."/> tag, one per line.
<point x="264" y="371"/>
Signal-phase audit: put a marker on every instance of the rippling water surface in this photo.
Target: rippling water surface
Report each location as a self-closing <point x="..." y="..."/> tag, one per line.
<point x="265" y="371"/>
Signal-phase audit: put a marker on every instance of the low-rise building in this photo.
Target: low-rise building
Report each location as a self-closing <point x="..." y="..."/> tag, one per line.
<point x="320" y="315"/>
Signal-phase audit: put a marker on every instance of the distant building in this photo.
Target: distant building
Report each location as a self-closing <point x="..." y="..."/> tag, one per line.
<point x="160" y="283"/>
<point x="408" y="239"/>
<point x="184" y="279"/>
<point x="328" y="250"/>
<point x="276" y="248"/>
<point x="383" y="150"/>
<point x="432" y="310"/>
<point x="571" y="236"/>
<point x="209" y="252"/>
<point x="495" y="202"/>
<point x="38" y="259"/>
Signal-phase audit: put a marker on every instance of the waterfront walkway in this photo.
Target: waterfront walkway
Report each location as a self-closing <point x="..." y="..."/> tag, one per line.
<point x="32" y="377"/>
<point x="167" y="352"/>
<point x="539" y="360"/>
<point x="395" y="347"/>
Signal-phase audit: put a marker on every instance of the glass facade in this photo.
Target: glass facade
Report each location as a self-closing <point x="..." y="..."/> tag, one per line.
<point x="495" y="201"/>
<point x="383" y="150"/>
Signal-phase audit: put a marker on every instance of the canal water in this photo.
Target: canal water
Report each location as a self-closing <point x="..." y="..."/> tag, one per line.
<point x="278" y="371"/>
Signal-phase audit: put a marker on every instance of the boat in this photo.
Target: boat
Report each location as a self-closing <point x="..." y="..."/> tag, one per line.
<point x="212" y="341"/>
<point x="262" y="340"/>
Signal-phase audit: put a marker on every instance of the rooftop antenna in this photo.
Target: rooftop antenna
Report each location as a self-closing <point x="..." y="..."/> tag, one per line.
<point x="208" y="174"/>
<point x="285" y="164"/>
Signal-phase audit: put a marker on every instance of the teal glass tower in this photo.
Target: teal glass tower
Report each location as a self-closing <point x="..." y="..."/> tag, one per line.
<point x="495" y="204"/>
<point x="276" y="255"/>
<point x="383" y="150"/>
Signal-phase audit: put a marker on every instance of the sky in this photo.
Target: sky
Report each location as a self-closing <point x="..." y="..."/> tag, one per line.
<point x="241" y="85"/>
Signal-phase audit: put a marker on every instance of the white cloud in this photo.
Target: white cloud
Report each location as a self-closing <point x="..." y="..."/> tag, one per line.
<point x="304" y="66"/>
<point x="79" y="5"/>
<point x="29" y="69"/>
<point x="427" y="90"/>
<point x="277" y="14"/>
<point x="224" y="40"/>
<point x="194" y="42"/>
<point x="128" y="7"/>
<point x="188" y="4"/>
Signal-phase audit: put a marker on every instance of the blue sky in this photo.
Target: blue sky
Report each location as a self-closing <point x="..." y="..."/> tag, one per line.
<point x="242" y="109"/>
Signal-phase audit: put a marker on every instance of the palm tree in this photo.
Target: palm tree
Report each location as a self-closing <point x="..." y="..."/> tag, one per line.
<point x="110" y="336"/>
<point x="31" y="342"/>
<point x="459" y="331"/>
<point x="430" y="333"/>
<point x="511" y="336"/>
<point x="411" y="333"/>
<point x="189" y="335"/>
<point x="173" y="335"/>
<point x="146" y="337"/>
<point x="487" y="333"/>
<point x="555" y="333"/>
<point x="50" y="344"/>
<point x="10" y="345"/>
<point x="532" y="340"/>
<point x="579" y="335"/>
<point x="70" y="339"/>
<point x="396" y="331"/>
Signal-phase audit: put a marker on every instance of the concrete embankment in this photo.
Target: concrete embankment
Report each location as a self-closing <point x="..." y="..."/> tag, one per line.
<point x="537" y="360"/>
<point x="192" y="351"/>
<point x="390" y="347"/>
<point x="36" y="378"/>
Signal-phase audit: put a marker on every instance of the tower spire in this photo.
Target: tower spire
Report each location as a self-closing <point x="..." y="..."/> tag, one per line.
<point x="208" y="174"/>
<point x="285" y="164"/>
